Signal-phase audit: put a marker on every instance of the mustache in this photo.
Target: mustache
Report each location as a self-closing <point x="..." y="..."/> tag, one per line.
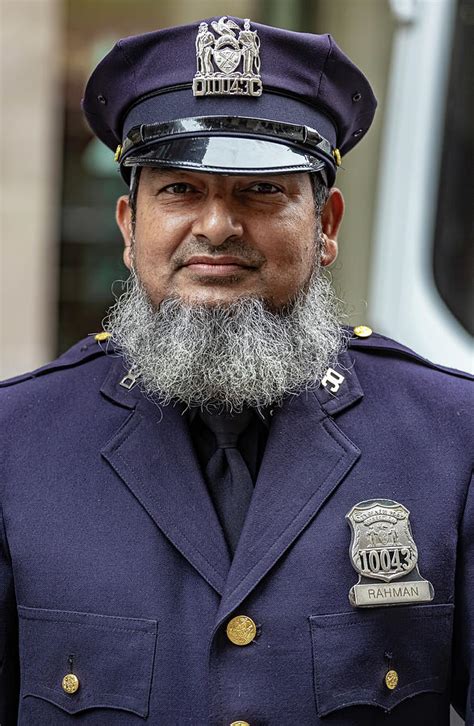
<point x="232" y="247"/>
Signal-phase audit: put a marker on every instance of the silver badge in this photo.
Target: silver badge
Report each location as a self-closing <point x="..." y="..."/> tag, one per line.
<point x="228" y="64"/>
<point x="332" y="380"/>
<point x="384" y="554"/>
<point x="128" y="381"/>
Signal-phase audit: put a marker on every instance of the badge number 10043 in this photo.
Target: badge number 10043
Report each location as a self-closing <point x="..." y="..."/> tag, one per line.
<point x="388" y="561"/>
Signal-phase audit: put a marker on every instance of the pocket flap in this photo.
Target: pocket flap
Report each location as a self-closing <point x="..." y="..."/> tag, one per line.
<point x="353" y="652"/>
<point x="112" y="658"/>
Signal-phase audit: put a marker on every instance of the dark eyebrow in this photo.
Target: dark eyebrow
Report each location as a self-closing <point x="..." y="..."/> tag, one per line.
<point x="162" y="169"/>
<point x="159" y="171"/>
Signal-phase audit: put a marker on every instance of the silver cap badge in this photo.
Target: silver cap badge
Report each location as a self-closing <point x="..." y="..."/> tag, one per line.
<point x="227" y="64"/>
<point x="385" y="555"/>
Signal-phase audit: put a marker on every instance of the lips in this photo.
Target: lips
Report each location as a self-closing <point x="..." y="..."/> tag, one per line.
<point x="220" y="266"/>
<point x="222" y="260"/>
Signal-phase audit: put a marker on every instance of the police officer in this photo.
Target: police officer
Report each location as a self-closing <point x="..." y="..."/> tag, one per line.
<point x="226" y="508"/>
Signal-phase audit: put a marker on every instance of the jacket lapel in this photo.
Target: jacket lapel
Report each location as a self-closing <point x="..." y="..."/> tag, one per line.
<point x="152" y="453"/>
<point x="306" y="457"/>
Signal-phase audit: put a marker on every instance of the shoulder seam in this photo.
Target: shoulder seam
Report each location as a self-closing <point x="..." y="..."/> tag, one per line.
<point x="408" y="354"/>
<point x="52" y="367"/>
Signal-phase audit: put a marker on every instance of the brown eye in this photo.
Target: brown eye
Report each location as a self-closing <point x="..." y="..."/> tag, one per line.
<point x="264" y="188"/>
<point x="178" y="188"/>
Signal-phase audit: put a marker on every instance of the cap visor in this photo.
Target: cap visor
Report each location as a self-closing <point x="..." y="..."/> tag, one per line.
<point x="225" y="155"/>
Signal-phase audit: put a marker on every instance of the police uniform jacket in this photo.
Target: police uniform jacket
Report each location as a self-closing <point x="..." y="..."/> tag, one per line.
<point x="114" y="569"/>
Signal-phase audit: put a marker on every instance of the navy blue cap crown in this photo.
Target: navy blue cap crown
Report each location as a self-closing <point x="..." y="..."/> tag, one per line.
<point x="292" y="97"/>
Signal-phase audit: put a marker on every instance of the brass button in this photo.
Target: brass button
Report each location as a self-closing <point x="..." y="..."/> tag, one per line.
<point x="240" y="723"/>
<point x="391" y="680"/>
<point x="70" y="683"/>
<point x="100" y="337"/>
<point x="241" y="630"/>
<point x="362" y="331"/>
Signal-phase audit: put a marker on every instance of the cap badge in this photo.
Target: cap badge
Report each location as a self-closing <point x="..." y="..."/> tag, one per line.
<point x="228" y="64"/>
<point x="385" y="555"/>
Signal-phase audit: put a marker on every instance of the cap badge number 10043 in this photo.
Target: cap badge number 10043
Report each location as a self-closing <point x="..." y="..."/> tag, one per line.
<point x="385" y="555"/>
<point x="228" y="63"/>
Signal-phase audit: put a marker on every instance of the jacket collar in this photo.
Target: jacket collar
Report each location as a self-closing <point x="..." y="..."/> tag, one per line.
<point x="339" y="390"/>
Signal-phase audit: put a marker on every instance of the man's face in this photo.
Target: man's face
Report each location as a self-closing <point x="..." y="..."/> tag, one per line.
<point x="211" y="239"/>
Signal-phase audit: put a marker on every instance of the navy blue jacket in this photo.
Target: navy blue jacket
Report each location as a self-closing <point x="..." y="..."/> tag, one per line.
<point x="113" y="565"/>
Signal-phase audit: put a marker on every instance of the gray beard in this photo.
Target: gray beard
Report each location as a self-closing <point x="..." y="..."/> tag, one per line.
<point x="228" y="356"/>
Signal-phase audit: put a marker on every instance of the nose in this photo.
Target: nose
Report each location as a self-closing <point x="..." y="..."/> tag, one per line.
<point x="217" y="221"/>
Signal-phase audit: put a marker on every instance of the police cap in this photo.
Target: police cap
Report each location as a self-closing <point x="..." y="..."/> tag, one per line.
<point x="230" y="96"/>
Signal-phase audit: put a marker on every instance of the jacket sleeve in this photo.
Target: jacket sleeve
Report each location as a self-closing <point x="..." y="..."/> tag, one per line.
<point x="9" y="661"/>
<point x="463" y="654"/>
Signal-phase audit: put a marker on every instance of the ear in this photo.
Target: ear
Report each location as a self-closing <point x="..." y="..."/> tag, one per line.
<point x="123" y="218"/>
<point x="331" y="219"/>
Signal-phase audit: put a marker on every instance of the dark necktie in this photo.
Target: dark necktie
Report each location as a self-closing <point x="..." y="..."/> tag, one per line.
<point x="227" y="475"/>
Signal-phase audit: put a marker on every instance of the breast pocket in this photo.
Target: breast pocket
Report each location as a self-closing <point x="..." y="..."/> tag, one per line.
<point x="354" y="652"/>
<point x="111" y="659"/>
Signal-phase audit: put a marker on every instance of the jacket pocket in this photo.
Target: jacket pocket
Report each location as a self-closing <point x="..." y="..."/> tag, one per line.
<point x="352" y="653"/>
<point x="112" y="658"/>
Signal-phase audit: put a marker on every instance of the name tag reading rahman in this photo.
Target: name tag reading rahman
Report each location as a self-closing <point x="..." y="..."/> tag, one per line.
<point x="383" y="549"/>
<point x="369" y="596"/>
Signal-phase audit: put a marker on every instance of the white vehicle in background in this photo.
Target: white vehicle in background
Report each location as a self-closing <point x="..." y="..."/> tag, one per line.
<point x="421" y="290"/>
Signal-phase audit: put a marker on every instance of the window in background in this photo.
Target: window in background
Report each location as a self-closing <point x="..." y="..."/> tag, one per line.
<point x="453" y="250"/>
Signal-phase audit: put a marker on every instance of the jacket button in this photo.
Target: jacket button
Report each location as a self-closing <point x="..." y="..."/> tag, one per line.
<point x="362" y="331"/>
<point x="241" y="630"/>
<point x="240" y="723"/>
<point x="391" y="680"/>
<point x="70" y="683"/>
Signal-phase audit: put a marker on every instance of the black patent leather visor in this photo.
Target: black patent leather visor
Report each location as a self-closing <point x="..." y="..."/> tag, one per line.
<point x="225" y="155"/>
<point x="228" y="145"/>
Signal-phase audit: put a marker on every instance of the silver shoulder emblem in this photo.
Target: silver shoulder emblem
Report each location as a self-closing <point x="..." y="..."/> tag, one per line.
<point x="385" y="555"/>
<point x="228" y="63"/>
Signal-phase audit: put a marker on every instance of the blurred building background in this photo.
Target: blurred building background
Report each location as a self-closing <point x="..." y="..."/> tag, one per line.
<point x="406" y="252"/>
